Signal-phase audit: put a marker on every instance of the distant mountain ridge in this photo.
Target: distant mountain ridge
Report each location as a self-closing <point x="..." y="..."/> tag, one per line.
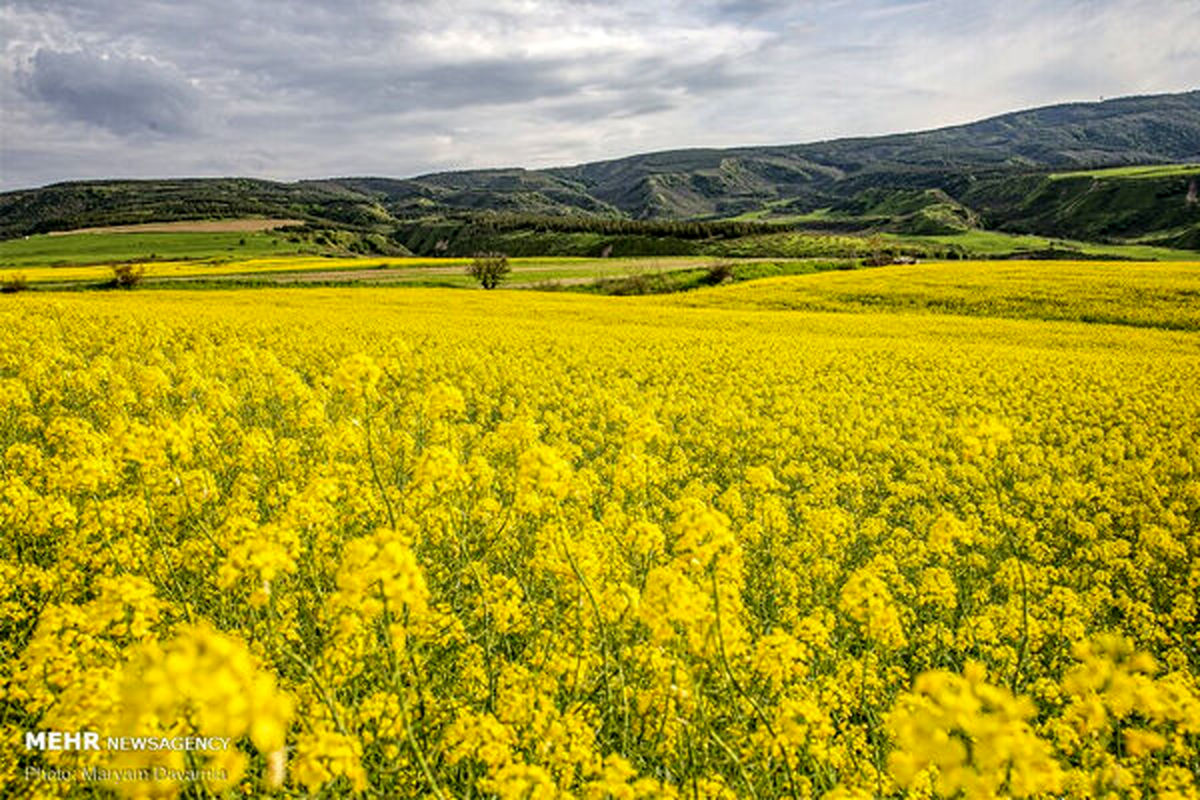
<point x="966" y="165"/>
<point x="706" y="182"/>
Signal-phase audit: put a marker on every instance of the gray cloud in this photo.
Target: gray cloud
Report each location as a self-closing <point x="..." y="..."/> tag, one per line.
<point x="124" y="95"/>
<point x="303" y="88"/>
<point x="369" y="89"/>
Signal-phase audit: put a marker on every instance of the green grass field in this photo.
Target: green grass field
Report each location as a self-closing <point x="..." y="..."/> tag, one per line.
<point x="768" y="213"/>
<point x="1156" y="171"/>
<point x="102" y="248"/>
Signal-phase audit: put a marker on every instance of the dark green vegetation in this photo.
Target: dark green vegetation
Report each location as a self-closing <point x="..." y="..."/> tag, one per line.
<point x="595" y="237"/>
<point x="85" y="204"/>
<point x="1115" y="173"/>
<point x="1160" y="209"/>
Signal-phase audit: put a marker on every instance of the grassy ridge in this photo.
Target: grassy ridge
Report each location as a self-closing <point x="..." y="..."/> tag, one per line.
<point x="1157" y="206"/>
<point x="1153" y="171"/>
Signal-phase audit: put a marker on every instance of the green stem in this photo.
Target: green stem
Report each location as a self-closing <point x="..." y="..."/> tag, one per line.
<point x="737" y="687"/>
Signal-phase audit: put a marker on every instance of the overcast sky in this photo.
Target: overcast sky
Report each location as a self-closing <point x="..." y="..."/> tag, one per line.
<point x="314" y="88"/>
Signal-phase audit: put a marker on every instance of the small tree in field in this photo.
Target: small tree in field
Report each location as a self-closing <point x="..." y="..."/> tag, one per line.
<point x="489" y="269"/>
<point x="879" y="256"/>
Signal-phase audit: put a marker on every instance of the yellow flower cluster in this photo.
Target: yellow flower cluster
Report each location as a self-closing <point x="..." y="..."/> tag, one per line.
<point x="866" y="599"/>
<point x="975" y="736"/>
<point x="421" y="543"/>
<point x="206" y="681"/>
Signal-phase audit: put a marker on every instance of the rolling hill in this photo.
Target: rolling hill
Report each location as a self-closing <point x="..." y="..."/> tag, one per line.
<point x="1034" y="171"/>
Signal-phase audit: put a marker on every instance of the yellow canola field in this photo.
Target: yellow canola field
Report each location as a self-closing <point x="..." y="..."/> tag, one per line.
<point x="249" y="266"/>
<point x="437" y="543"/>
<point x="1143" y="294"/>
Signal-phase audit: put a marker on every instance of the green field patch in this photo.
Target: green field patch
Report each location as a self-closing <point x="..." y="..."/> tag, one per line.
<point x="102" y="248"/>
<point x="1153" y="171"/>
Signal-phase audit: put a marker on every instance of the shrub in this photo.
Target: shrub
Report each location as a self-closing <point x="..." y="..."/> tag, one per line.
<point x="879" y="257"/>
<point x="489" y="269"/>
<point x="719" y="273"/>
<point x="16" y="282"/>
<point x="634" y="284"/>
<point x="126" y="276"/>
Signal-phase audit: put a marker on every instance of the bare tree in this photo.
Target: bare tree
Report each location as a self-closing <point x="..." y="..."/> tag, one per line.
<point x="489" y="269"/>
